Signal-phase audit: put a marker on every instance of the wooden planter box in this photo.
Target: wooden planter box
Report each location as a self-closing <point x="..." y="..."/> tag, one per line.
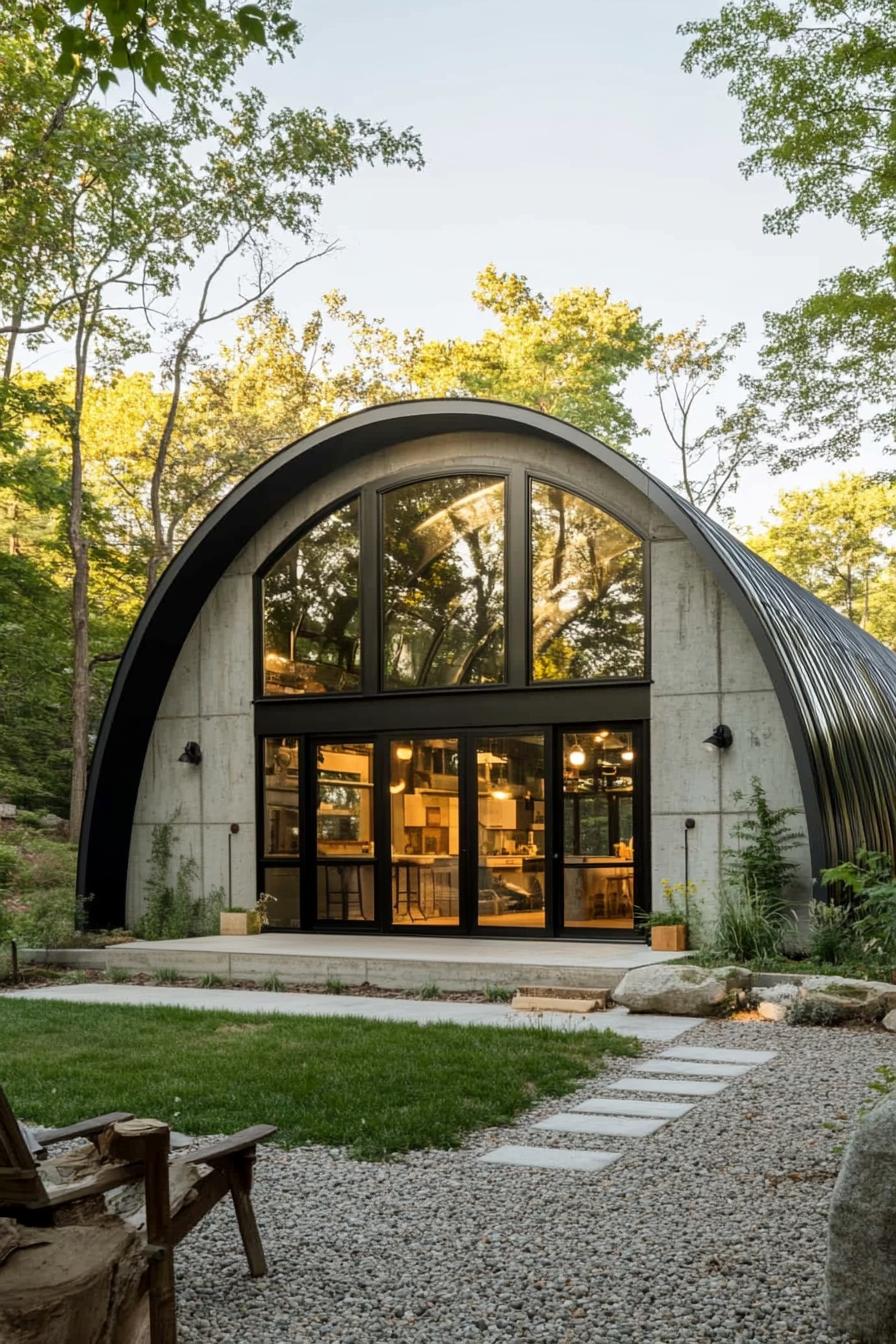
<point x="240" y="921"/>
<point x="669" y="937"/>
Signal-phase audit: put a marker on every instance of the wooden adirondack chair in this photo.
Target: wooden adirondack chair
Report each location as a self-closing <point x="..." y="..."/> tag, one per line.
<point x="141" y="1149"/>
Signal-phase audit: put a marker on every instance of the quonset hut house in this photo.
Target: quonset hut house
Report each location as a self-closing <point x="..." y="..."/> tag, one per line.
<point x="456" y="667"/>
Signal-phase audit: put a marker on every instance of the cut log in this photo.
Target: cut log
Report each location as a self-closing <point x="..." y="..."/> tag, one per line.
<point x="74" y="1285"/>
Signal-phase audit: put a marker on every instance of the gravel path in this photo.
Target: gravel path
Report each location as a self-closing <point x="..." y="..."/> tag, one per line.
<point x="711" y="1229"/>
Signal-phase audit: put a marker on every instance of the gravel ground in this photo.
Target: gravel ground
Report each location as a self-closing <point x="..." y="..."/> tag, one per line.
<point x="711" y="1229"/>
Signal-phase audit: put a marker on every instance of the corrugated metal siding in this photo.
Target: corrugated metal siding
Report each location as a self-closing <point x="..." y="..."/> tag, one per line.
<point x="843" y="684"/>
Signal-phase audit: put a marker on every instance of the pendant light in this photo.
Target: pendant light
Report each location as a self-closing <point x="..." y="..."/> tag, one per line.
<point x="576" y="755"/>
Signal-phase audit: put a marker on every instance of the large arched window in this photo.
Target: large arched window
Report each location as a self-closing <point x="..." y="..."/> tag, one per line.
<point x="587" y="596"/>
<point x="443" y="583"/>
<point x="312" y="638"/>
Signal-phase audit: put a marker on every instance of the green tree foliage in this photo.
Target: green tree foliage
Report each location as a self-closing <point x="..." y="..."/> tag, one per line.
<point x="568" y="355"/>
<point x="816" y="80"/>
<point x="839" y="541"/>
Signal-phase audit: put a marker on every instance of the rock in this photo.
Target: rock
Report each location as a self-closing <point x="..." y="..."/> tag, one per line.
<point x="692" y="991"/>
<point x="890" y="1020"/>
<point x="783" y="993"/>
<point x="49" y="821"/>
<point x="8" y="811"/>
<point x="772" y="1012"/>
<point x="860" y="1283"/>
<point x="868" y="1000"/>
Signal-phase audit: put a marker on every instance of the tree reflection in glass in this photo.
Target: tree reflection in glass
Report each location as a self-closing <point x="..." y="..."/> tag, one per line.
<point x="444" y="583"/>
<point x="311" y="613"/>
<point x="587" y="591"/>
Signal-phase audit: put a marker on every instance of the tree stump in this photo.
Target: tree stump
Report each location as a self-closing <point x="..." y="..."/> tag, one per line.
<point x="73" y="1285"/>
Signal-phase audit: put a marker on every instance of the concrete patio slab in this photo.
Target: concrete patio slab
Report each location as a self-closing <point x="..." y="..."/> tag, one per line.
<point x="518" y="1155"/>
<point x="642" y="1025"/>
<point x="390" y="961"/>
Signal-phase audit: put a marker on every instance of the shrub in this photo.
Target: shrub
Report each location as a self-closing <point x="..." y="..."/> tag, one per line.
<point x="871" y="884"/>
<point x="9" y="865"/>
<point x="759" y="863"/>
<point x="171" y="909"/>
<point x="746" y="930"/>
<point x="832" y="938"/>
<point x="813" y="1013"/>
<point x="44" y="918"/>
<point x="498" y="994"/>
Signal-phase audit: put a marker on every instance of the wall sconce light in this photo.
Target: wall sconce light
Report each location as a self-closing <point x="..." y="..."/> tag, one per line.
<point x="191" y="754"/>
<point x="720" y="738"/>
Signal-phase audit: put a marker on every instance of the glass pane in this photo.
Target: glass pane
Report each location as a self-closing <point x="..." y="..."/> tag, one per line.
<point x="345" y="799"/>
<point x="443" y="569"/>
<point x="311" y="615"/>
<point x="423" y="793"/>
<point x="587" y="591"/>
<point x="510" y="802"/>
<point x="598" y="839"/>
<point x="345" y="891"/>
<point x="282" y="884"/>
<point x="281" y="796"/>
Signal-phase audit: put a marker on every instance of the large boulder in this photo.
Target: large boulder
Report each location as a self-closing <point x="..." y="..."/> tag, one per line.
<point x="692" y="991"/>
<point x="866" y="1000"/>
<point x="860" y="1278"/>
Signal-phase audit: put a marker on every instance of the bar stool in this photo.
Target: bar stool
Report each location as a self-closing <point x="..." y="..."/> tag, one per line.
<point x="342" y="885"/>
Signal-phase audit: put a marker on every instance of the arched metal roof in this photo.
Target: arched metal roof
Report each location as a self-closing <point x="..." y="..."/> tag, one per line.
<point x="836" y="685"/>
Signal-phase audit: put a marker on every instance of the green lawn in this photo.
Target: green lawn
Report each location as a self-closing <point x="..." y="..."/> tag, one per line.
<point x="375" y="1087"/>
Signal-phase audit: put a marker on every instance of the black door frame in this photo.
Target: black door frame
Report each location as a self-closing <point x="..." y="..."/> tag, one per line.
<point x="468" y="858"/>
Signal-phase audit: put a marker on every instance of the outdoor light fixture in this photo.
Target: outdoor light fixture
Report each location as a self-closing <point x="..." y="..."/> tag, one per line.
<point x="720" y="738"/>
<point x="577" y="756"/>
<point x="191" y="754"/>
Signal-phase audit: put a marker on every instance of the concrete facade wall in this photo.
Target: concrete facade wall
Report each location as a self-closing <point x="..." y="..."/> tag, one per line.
<point x="705" y="668"/>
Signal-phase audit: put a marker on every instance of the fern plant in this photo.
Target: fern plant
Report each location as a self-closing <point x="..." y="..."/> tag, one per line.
<point x="759" y="863"/>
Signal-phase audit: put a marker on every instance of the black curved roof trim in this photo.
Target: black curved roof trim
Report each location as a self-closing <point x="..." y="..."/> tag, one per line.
<point x="836" y="685"/>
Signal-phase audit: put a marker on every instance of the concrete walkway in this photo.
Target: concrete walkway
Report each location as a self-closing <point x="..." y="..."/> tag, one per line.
<point x="645" y="1026"/>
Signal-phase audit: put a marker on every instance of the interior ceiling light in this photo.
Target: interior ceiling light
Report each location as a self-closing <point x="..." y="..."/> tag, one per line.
<point x="720" y="738"/>
<point x="628" y="755"/>
<point x="577" y="756"/>
<point x="397" y="787"/>
<point x="501" y="794"/>
<point x="404" y="752"/>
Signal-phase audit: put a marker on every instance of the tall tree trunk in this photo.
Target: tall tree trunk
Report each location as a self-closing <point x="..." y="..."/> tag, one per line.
<point x="80" y="581"/>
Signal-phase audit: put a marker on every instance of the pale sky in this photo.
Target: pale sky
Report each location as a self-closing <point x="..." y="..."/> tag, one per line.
<point x="562" y="141"/>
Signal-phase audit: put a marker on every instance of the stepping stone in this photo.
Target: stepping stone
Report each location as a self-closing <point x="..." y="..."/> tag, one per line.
<point x="708" y="1052"/>
<point x="688" y="1070"/>
<point x="660" y="1110"/>
<point x="672" y="1087"/>
<point x="628" y="1126"/>
<point x="562" y="1159"/>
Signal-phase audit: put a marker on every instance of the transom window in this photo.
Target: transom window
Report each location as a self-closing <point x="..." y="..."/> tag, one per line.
<point x="423" y="595"/>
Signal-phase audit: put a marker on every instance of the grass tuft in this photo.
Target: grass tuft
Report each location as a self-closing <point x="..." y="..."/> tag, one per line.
<point x="210" y="981"/>
<point x="498" y="994"/>
<point x="273" y="983"/>
<point x="430" y="991"/>
<point x="165" y="975"/>
<point x="375" y="1088"/>
<point x="334" y="986"/>
<point x="118" y="975"/>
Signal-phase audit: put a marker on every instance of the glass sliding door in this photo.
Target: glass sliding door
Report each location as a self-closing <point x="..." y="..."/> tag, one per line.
<point x="425" y="831"/>
<point x="280" y="838"/>
<point x="510" y="823"/>
<point x="344" y="832"/>
<point x="598" y="854"/>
